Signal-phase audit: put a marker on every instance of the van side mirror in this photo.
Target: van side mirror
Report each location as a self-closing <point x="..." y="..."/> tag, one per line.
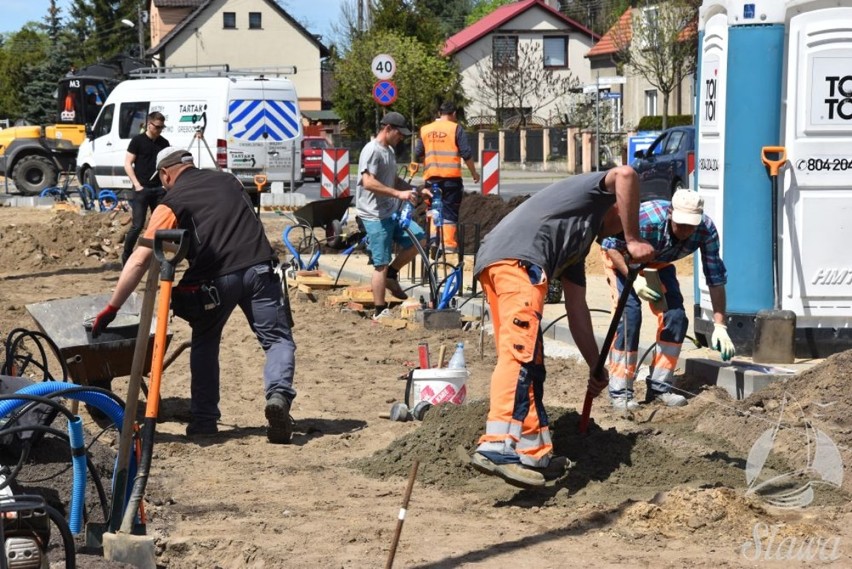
<point x="639" y="154"/>
<point x="90" y="133"/>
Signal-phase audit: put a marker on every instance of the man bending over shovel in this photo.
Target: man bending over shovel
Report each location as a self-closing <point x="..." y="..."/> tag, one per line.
<point x="547" y="237"/>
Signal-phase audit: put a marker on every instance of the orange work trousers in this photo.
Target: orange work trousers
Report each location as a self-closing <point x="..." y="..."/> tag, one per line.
<point x="517" y="427"/>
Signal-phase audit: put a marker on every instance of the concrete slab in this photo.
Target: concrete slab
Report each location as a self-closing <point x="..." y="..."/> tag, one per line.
<point x="741" y="378"/>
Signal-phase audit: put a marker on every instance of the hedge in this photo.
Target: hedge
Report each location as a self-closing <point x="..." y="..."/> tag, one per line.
<point x="655" y="122"/>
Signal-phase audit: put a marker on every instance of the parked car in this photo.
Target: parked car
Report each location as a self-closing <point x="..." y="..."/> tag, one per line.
<point x="667" y="164"/>
<point x="312" y="147"/>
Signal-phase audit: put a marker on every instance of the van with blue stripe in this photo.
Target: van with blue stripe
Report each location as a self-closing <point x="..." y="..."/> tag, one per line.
<point x="244" y="124"/>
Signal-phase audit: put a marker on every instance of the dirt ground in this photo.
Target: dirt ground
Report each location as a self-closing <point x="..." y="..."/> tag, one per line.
<point x="665" y="489"/>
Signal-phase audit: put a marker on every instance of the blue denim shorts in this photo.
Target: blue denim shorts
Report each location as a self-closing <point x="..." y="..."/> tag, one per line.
<point x="382" y="234"/>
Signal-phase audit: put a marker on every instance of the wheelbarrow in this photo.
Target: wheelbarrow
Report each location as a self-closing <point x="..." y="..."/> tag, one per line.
<point x="299" y="238"/>
<point x="93" y="362"/>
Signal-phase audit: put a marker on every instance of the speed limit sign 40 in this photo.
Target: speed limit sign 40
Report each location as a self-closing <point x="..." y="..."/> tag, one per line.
<point x="383" y="66"/>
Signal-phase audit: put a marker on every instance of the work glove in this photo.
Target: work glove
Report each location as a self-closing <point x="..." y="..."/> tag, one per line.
<point x="644" y="291"/>
<point x="722" y="342"/>
<point x="597" y="384"/>
<point x="103" y="319"/>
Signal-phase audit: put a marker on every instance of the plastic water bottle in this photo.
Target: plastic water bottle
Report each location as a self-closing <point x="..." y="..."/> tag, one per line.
<point x="405" y="214"/>
<point x="457" y="361"/>
<point x="437" y="206"/>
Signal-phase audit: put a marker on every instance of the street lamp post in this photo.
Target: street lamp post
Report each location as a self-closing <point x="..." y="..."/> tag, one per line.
<point x="141" y="16"/>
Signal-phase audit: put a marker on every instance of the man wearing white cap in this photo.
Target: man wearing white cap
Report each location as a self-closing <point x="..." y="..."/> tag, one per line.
<point x="676" y="229"/>
<point x="231" y="264"/>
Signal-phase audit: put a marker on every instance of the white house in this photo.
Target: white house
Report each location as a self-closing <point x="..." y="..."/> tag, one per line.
<point x="244" y="34"/>
<point x="511" y="34"/>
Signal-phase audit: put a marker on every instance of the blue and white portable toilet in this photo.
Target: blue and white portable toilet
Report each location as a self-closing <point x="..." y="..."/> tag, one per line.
<point x="778" y="73"/>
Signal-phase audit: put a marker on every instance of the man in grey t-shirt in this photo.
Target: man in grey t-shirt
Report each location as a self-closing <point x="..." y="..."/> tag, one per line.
<point x="377" y="198"/>
<point x="547" y="237"/>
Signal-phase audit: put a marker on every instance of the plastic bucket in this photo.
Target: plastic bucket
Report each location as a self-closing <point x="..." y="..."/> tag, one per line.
<point x="439" y="385"/>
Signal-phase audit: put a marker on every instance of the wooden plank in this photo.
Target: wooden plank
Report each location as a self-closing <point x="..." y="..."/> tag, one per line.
<point x="304" y="288"/>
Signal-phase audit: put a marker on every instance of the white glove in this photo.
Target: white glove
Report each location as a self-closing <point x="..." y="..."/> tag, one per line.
<point x="645" y="292"/>
<point x="722" y="342"/>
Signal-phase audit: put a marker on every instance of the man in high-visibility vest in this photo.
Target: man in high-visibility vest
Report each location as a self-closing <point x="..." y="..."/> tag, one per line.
<point x="441" y="148"/>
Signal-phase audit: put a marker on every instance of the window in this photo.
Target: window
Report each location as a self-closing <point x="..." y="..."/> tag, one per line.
<point x="104" y="123"/>
<point x="674" y="142"/>
<point x="255" y="22"/>
<point x="556" y="52"/>
<point x="504" y="51"/>
<point x="132" y="119"/>
<point x="651" y="102"/>
<point x="650" y="26"/>
<point x="229" y="20"/>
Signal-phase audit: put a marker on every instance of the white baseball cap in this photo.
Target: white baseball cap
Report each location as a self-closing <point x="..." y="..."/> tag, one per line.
<point x="687" y="207"/>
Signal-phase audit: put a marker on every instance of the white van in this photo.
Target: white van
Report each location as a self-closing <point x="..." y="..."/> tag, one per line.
<point x="250" y="125"/>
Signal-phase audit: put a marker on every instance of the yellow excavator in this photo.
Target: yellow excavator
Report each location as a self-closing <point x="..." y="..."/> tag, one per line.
<point x="34" y="156"/>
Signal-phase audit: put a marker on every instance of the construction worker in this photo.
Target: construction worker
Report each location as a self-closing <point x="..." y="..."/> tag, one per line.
<point x="140" y="166"/>
<point x="379" y="194"/>
<point x="231" y="263"/>
<point x="441" y="148"/>
<point x="547" y="237"/>
<point x="676" y="229"/>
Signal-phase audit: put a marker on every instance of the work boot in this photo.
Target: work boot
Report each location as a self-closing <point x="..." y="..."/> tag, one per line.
<point x="395" y="289"/>
<point x="557" y="468"/>
<point x="201" y="429"/>
<point x="514" y="473"/>
<point x="623" y="403"/>
<point x="280" y="429"/>
<point x="671" y="399"/>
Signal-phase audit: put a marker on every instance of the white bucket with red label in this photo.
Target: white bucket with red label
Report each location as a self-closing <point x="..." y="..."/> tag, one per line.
<point x="439" y="385"/>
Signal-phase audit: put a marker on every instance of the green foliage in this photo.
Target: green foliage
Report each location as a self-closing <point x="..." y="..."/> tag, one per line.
<point x="422" y="78"/>
<point x="22" y="52"/>
<point x="594" y="14"/>
<point x="450" y="14"/>
<point x="482" y="8"/>
<point x="39" y="92"/>
<point x="655" y="122"/>
<point x="403" y="17"/>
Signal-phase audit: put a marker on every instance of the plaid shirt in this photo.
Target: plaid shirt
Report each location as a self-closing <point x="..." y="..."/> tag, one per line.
<point x="654" y="227"/>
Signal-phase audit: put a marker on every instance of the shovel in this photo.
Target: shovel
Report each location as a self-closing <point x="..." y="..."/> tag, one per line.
<point x="775" y="330"/>
<point x="138" y="550"/>
<point x="607" y="344"/>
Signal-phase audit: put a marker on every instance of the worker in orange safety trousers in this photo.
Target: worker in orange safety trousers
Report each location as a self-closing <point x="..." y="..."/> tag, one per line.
<point x="442" y="147"/>
<point x="547" y="237"/>
<point x="676" y="229"/>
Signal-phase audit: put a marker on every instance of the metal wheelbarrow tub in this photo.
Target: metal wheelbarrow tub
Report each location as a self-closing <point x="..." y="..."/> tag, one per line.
<point x="92" y="361"/>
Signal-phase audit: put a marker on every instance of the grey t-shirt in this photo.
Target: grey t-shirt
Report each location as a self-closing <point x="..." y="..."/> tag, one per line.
<point x="380" y="162"/>
<point x="554" y="229"/>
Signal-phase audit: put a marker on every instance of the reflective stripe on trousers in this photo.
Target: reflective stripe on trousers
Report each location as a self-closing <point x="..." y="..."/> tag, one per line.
<point x="671" y="330"/>
<point x="517" y="424"/>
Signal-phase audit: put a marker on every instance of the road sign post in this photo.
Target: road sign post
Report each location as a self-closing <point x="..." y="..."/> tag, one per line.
<point x="383" y="66"/>
<point x="384" y="92"/>
<point x="335" y="173"/>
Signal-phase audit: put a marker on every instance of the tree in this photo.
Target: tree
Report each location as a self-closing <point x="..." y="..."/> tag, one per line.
<point x="39" y="91"/>
<point x="404" y="18"/>
<point x="596" y="15"/>
<point x="422" y="79"/>
<point x="450" y="14"/>
<point x="482" y="8"/>
<point x="97" y="29"/>
<point x="520" y="84"/>
<point x="22" y="50"/>
<point x="662" y="46"/>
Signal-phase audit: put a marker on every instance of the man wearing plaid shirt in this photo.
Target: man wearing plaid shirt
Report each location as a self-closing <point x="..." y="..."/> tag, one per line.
<point x="676" y="229"/>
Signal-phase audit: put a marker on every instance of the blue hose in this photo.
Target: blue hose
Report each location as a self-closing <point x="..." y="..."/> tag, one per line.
<point x="108" y="196"/>
<point x="451" y="287"/>
<point x="312" y="264"/>
<point x="78" y="461"/>
<point x="98" y="400"/>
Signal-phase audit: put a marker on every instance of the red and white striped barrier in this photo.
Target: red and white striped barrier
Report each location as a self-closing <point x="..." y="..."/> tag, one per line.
<point x="490" y="160"/>
<point x="690" y="169"/>
<point x="335" y="173"/>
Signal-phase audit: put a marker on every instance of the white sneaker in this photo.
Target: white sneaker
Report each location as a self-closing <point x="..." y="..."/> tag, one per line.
<point x="671" y="399"/>
<point x="624" y="403"/>
<point x="384" y="314"/>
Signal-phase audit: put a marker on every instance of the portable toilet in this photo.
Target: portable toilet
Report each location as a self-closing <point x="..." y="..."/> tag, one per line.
<point x="778" y="73"/>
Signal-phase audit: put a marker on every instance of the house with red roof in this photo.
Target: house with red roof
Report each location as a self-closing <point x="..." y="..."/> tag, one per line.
<point x="527" y="32"/>
<point x="638" y="96"/>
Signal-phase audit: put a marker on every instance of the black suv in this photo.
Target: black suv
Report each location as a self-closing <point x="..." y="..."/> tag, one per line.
<point x="666" y="165"/>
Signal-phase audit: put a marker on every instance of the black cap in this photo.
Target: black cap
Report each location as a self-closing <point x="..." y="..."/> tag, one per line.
<point x="397" y="121"/>
<point x="447" y="108"/>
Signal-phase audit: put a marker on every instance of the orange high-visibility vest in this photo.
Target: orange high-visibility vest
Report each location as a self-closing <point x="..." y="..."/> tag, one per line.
<point x="442" y="158"/>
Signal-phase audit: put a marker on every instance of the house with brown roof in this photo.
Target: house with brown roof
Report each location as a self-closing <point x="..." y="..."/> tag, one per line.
<point x="244" y="34"/>
<point x="638" y="96"/>
<point x="524" y="33"/>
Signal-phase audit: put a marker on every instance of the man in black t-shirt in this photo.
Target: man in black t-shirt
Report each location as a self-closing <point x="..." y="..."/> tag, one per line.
<point x="140" y="164"/>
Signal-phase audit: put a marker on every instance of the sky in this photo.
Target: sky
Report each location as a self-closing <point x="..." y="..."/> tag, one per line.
<point x="317" y="15"/>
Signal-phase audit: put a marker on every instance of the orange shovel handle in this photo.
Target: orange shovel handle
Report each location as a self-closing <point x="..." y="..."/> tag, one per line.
<point x="773" y="165"/>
